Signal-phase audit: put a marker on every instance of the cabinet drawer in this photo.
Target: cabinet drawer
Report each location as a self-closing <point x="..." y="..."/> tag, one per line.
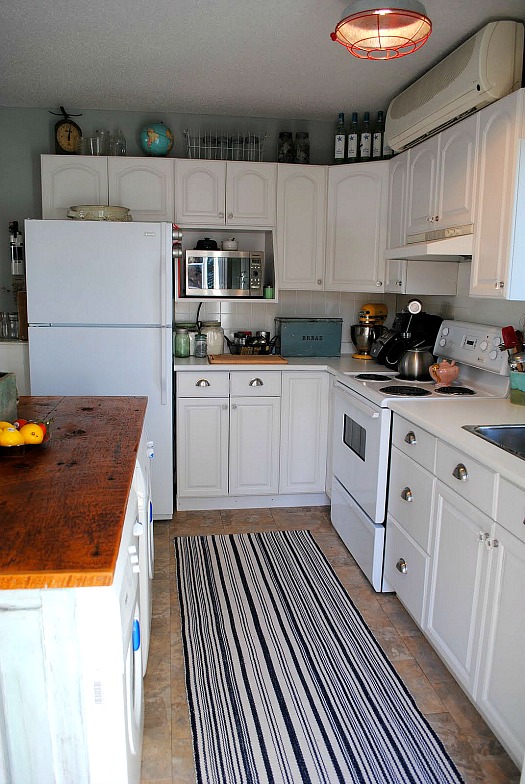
<point x="510" y="508"/>
<point x="216" y="384"/>
<point x="414" y="442"/>
<point x="410" y="497"/>
<point x="406" y="567"/>
<point x="255" y="383"/>
<point x="478" y="483"/>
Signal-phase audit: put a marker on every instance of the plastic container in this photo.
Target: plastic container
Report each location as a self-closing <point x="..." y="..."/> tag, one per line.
<point x="214" y="336"/>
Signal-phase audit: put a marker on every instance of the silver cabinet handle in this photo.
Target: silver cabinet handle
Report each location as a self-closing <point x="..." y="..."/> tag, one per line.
<point x="230" y="215"/>
<point x="224" y="406"/>
<point x="379" y="283"/>
<point x="491" y="543"/>
<point x="319" y="281"/>
<point x="483" y="536"/>
<point x="410" y="437"/>
<point x="460" y="472"/>
<point x="255" y="382"/>
<point x="234" y="405"/>
<point x="202" y="382"/>
<point x="401" y="566"/>
<point x="406" y="495"/>
<point x="221" y="214"/>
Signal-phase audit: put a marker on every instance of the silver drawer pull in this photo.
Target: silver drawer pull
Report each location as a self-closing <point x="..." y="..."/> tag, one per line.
<point x="256" y="382"/>
<point x="401" y="566"/>
<point x="202" y="382"/>
<point x="410" y="437"/>
<point x="460" y="472"/>
<point x="491" y="543"/>
<point x="406" y="495"/>
<point x="483" y="536"/>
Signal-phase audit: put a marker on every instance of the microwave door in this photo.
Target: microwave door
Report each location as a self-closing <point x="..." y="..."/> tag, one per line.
<point x="222" y="281"/>
<point x="194" y="275"/>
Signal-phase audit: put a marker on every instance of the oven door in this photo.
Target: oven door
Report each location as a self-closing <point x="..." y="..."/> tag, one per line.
<point x="361" y="450"/>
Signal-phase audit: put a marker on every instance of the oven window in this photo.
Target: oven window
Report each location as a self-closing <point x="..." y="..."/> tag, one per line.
<point x="354" y="436"/>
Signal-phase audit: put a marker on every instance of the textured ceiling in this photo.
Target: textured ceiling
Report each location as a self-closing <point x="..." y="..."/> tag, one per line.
<point x="226" y="57"/>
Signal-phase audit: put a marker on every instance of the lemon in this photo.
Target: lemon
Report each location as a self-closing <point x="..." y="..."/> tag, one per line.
<point x="10" y="436"/>
<point x="5" y="424"/>
<point x="31" y="433"/>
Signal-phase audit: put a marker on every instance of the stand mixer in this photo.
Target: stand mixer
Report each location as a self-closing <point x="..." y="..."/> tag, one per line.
<point x="371" y="318"/>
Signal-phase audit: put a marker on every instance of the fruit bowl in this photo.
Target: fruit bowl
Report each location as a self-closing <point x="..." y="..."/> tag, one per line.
<point x="22" y="449"/>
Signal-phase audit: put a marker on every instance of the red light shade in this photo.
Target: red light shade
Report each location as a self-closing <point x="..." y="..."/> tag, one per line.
<point x="383" y="33"/>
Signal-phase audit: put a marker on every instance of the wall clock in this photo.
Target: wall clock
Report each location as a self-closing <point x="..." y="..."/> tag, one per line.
<point x="67" y="133"/>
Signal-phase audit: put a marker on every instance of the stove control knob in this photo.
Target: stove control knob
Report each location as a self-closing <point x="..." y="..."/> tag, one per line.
<point x="496" y="342"/>
<point x="442" y="342"/>
<point x="493" y="354"/>
<point x="483" y="346"/>
<point x="445" y="331"/>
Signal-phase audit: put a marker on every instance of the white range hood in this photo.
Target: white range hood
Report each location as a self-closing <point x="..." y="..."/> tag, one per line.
<point x="448" y="248"/>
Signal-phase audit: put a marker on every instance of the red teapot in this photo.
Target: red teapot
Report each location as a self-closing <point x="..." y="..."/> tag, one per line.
<point x="444" y="372"/>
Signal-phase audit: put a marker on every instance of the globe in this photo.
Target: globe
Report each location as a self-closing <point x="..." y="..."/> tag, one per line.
<point x="156" y="139"/>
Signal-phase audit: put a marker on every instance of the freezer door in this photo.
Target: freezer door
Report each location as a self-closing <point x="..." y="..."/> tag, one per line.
<point x="114" y="361"/>
<point x="97" y="272"/>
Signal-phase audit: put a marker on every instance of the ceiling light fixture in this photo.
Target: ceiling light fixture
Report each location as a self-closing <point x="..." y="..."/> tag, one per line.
<point x="375" y="32"/>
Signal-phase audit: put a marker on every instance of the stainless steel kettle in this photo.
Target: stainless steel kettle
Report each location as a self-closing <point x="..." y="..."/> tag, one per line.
<point x="414" y="364"/>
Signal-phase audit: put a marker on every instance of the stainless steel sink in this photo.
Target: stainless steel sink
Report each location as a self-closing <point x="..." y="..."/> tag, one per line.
<point x="511" y="438"/>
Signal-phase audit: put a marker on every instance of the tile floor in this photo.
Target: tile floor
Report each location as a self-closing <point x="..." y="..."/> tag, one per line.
<point x="167" y="751"/>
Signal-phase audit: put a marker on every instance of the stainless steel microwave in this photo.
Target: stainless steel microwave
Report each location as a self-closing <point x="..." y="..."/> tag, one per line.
<point x="223" y="273"/>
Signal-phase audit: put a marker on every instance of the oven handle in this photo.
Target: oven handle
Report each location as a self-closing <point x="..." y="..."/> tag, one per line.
<point x="362" y="407"/>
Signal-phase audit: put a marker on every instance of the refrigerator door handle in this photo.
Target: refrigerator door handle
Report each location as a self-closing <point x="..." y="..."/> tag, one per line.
<point x="164" y="333"/>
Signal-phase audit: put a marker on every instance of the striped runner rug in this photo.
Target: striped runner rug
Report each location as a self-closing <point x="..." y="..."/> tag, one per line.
<point x="285" y="682"/>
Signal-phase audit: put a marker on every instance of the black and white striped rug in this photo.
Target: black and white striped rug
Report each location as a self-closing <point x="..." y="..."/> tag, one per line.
<point x="285" y="682"/>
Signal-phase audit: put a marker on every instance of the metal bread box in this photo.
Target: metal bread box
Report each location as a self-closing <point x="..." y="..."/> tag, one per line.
<point x="308" y="337"/>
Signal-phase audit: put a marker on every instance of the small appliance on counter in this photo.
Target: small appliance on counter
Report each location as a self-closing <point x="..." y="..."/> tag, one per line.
<point x="308" y="337"/>
<point x="370" y="327"/>
<point x="412" y="328"/>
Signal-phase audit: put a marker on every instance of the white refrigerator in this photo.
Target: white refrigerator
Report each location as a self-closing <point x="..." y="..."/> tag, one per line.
<point x="100" y="307"/>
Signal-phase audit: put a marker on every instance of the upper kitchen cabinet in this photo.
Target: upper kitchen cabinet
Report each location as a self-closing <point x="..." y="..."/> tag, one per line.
<point x="397" y="200"/>
<point x="499" y="239"/>
<point x="440" y="182"/>
<point x="219" y="193"/>
<point x="301" y="226"/>
<point x="144" y="185"/>
<point x="356" y="241"/>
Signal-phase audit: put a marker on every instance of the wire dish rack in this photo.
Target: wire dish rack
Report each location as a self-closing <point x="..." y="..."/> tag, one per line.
<point x="221" y="146"/>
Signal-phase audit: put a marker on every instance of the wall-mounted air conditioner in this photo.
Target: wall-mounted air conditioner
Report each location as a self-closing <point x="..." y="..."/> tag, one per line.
<point x="483" y="69"/>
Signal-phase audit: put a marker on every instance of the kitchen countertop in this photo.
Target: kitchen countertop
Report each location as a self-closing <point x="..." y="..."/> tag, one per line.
<point x="63" y="504"/>
<point x="343" y="364"/>
<point x="445" y="419"/>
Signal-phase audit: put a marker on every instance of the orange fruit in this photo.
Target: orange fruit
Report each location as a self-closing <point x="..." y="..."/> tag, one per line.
<point x="31" y="433"/>
<point x="5" y="424"/>
<point x="10" y="436"/>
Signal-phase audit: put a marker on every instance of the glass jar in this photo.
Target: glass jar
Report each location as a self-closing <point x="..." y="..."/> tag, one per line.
<point x="214" y="336"/>
<point x="201" y="348"/>
<point x="182" y="342"/>
<point x="285" y="148"/>
<point x="302" y="147"/>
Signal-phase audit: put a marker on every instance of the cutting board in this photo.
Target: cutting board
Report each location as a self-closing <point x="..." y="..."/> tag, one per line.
<point x="247" y="359"/>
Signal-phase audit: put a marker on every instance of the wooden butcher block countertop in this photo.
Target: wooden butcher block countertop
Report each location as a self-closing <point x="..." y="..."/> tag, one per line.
<point x="62" y="504"/>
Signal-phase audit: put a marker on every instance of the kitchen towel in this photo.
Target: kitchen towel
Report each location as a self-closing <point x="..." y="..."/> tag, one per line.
<point x="286" y="684"/>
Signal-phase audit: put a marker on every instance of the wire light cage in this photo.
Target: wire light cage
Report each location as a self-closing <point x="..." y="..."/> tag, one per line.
<point x="221" y="146"/>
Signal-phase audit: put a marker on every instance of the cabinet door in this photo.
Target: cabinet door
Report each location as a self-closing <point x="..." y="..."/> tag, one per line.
<point x="406" y="569"/>
<point x="455" y="187"/>
<point x="202" y="447"/>
<point x="68" y="181"/>
<point x="357" y="207"/>
<point x="254" y="445"/>
<point x="200" y="188"/>
<point x="301" y="226"/>
<point x="251" y="193"/>
<point x="422" y="171"/>
<point x="458" y="571"/>
<point x="408" y="276"/>
<point x="499" y="131"/>
<point x="500" y="694"/>
<point x="144" y="185"/>
<point x="304" y="432"/>
<point x="397" y="199"/>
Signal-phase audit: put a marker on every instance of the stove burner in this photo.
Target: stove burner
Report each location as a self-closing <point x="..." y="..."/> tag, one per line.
<point x="373" y="377"/>
<point x="404" y="391"/>
<point x="454" y="391"/>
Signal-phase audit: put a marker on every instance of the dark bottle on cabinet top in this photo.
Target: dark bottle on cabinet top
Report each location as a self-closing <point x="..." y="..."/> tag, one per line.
<point x="377" y="137"/>
<point x="353" y="141"/>
<point x="339" y="145"/>
<point x="365" y="140"/>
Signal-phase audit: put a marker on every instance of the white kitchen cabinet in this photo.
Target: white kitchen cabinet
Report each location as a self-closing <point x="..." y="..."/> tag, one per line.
<point x="202" y="446"/>
<point x="254" y="445"/>
<point x="219" y="193"/>
<point x="304" y="432"/>
<point x="144" y="185"/>
<point x="440" y="182"/>
<point x="397" y="200"/>
<point x="301" y="226"/>
<point x="409" y="276"/>
<point x="14" y="358"/>
<point x="356" y="236"/>
<point x="499" y="239"/>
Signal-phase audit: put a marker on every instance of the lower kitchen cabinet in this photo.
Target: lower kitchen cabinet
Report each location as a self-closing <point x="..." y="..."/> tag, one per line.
<point x="304" y="432"/>
<point x="254" y="445"/>
<point x="202" y="446"/>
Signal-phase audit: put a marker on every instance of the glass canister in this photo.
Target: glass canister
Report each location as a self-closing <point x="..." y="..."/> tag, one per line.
<point x="182" y="342"/>
<point x="285" y="148"/>
<point x="214" y="336"/>
<point x="201" y="347"/>
<point x="302" y="147"/>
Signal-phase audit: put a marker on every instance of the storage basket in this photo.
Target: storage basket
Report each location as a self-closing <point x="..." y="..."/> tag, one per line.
<point x="222" y="146"/>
